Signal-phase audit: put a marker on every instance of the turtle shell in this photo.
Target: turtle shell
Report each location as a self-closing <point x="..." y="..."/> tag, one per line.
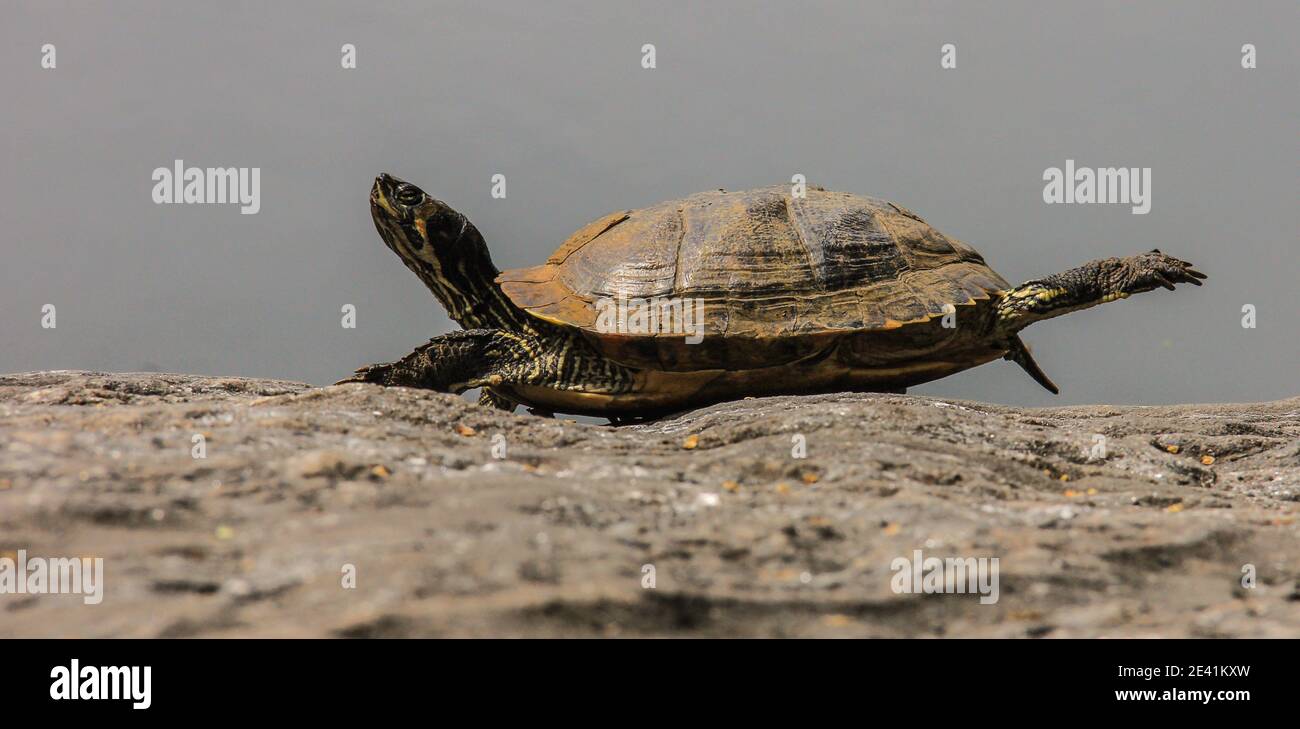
<point x="779" y="277"/>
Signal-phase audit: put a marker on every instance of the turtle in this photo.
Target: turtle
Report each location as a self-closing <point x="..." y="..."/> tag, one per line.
<point x="721" y="296"/>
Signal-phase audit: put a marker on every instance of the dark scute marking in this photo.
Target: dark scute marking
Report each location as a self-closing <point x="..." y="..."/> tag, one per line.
<point x="848" y="247"/>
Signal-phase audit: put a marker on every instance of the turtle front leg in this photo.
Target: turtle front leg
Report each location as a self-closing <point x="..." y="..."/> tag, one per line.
<point x="1088" y="285"/>
<point x="453" y="362"/>
<point x="494" y="359"/>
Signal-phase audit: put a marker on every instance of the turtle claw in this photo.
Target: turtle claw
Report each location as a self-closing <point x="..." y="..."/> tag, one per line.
<point x="374" y="374"/>
<point x="1157" y="269"/>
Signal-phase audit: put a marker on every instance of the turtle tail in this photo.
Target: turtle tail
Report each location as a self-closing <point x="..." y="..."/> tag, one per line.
<point x="1017" y="352"/>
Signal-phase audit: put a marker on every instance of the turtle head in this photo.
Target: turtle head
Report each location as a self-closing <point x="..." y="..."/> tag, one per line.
<point x="445" y="250"/>
<point x="414" y="225"/>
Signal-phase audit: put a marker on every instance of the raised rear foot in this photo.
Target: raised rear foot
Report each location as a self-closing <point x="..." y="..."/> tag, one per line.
<point x="1093" y="283"/>
<point x="1145" y="272"/>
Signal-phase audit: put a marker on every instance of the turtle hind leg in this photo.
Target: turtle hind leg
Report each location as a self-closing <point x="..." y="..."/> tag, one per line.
<point x="489" y="398"/>
<point x="1097" y="282"/>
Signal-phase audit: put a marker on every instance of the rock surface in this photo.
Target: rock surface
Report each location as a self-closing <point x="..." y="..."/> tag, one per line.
<point x="1106" y="521"/>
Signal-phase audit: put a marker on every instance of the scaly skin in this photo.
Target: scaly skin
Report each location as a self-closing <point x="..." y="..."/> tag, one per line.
<point x="1088" y="285"/>
<point x="469" y="358"/>
<point x="453" y="362"/>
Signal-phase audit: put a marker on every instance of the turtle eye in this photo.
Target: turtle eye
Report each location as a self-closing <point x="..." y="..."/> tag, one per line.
<point x="409" y="195"/>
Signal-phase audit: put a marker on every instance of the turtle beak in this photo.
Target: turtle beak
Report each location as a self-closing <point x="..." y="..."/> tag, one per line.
<point x="382" y="192"/>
